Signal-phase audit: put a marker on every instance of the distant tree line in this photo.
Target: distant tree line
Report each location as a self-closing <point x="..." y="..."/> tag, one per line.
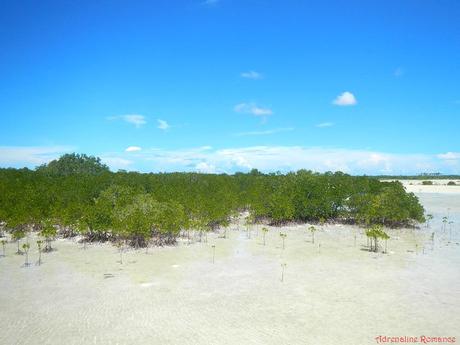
<point x="433" y="176"/>
<point x="78" y="194"/>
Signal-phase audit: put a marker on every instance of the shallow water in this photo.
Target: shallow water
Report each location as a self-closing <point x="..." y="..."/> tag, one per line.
<point x="333" y="291"/>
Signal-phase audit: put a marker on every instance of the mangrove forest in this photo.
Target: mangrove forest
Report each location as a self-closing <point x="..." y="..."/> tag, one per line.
<point x="78" y="194"/>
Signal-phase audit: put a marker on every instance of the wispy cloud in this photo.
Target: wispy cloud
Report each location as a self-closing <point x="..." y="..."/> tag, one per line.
<point x="345" y="99"/>
<point x="324" y="124"/>
<point x="266" y="132"/>
<point x="449" y="155"/>
<point x="451" y="159"/>
<point x="252" y="108"/>
<point x="163" y="125"/>
<point x="204" y="167"/>
<point x="289" y="158"/>
<point x="264" y="158"/>
<point x="116" y="163"/>
<point x="252" y="75"/>
<point x="135" y="119"/>
<point x="30" y="156"/>
<point x="133" y="149"/>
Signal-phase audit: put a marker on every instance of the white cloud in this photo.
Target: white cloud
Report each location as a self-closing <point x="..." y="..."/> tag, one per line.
<point x="30" y="156"/>
<point x="450" y="158"/>
<point x="252" y="75"/>
<point x="266" y="132"/>
<point x="252" y="108"/>
<point x="205" y="168"/>
<point x="290" y="158"/>
<point x="264" y="158"/>
<point x="135" y="119"/>
<point x="133" y="149"/>
<point x="162" y="124"/>
<point x="116" y="163"/>
<point x="345" y="99"/>
<point x="449" y="155"/>
<point x="325" y="124"/>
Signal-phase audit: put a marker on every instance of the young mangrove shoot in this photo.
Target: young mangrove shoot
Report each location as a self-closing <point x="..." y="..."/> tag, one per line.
<point x="283" y="237"/>
<point x="312" y="230"/>
<point x="3" y="247"/>
<point x="264" y="231"/>
<point x="39" y="245"/>
<point x="283" y="266"/>
<point x="26" y="247"/>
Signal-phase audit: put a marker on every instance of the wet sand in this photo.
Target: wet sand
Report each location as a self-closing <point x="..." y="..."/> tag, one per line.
<point x="333" y="292"/>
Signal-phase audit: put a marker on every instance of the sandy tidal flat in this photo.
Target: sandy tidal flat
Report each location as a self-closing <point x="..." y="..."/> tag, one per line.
<point x="438" y="186"/>
<point x="333" y="291"/>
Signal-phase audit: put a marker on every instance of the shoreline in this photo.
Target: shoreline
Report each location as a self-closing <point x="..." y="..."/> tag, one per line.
<point x="177" y="295"/>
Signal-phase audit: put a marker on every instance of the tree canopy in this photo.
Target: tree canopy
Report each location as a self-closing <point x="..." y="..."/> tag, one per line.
<point x="80" y="193"/>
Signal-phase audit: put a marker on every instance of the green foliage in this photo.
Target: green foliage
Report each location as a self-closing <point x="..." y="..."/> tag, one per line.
<point x="390" y="206"/>
<point x="3" y="242"/>
<point x="312" y="229"/>
<point x="49" y="232"/>
<point x="73" y="163"/>
<point x="78" y="192"/>
<point x="427" y="183"/>
<point x="376" y="232"/>
<point x="451" y="183"/>
<point x="18" y="235"/>
<point x="283" y="237"/>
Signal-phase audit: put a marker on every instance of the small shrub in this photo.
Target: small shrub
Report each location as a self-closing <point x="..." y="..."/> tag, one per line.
<point x="451" y="183"/>
<point x="427" y="183"/>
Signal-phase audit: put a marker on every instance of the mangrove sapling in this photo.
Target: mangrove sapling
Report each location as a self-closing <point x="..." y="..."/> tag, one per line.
<point x="283" y="266"/>
<point x="213" y="252"/>
<point x="312" y="230"/>
<point x="444" y="223"/>
<point x="428" y="218"/>
<point x="17" y="236"/>
<point x="369" y="236"/>
<point x="374" y="233"/>
<point x="385" y="237"/>
<point x="26" y="247"/>
<point x="283" y="237"/>
<point x="450" y="230"/>
<point x="264" y="231"/>
<point x="3" y="247"/>
<point x="39" y="245"/>
<point x="49" y="232"/>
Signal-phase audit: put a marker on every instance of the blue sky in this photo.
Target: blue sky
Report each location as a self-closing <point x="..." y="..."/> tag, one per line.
<point x="228" y="85"/>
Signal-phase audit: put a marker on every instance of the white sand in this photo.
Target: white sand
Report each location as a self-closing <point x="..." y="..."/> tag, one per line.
<point x="338" y="295"/>
<point x="438" y="186"/>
